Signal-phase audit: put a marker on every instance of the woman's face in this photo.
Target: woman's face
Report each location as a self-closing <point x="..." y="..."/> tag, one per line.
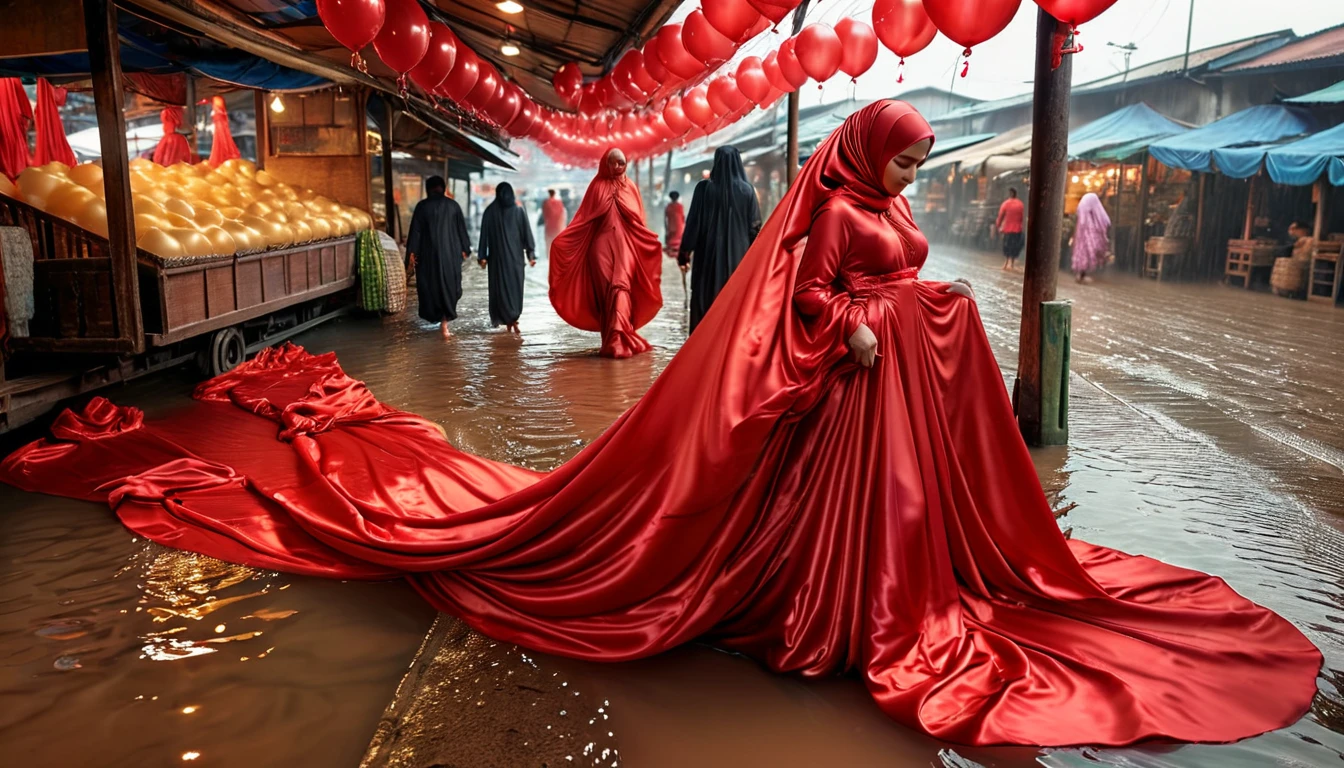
<point x="900" y="172"/>
<point x="616" y="162"/>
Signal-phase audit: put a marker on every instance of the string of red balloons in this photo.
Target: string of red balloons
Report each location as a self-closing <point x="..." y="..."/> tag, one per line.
<point x="666" y="93"/>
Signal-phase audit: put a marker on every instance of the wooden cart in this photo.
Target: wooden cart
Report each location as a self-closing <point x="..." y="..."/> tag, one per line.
<point x="1164" y="254"/>
<point x="213" y="309"/>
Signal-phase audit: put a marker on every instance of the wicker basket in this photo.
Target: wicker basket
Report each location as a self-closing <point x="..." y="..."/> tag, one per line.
<point x="1289" y="277"/>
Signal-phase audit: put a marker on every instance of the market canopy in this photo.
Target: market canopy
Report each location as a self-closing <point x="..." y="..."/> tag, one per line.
<point x="943" y="146"/>
<point x="1297" y="163"/>
<point x="1263" y="124"/>
<point x="1134" y="126"/>
<point x="1333" y="94"/>
<point x="972" y="157"/>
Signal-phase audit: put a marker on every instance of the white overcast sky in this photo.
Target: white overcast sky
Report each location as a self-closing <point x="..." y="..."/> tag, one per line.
<point x="1003" y="66"/>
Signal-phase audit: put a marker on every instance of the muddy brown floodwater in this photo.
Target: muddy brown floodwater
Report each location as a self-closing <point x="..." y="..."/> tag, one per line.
<point x="1207" y="430"/>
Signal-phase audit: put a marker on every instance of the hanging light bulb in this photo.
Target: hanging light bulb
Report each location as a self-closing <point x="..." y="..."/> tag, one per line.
<point x="277" y="105"/>
<point x="509" y="49"/>
<point x="510" y="7"/>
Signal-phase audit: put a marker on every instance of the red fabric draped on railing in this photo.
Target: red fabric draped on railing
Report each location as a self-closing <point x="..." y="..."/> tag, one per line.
<point x="15" y="114"/>
<point x="173" y="147"/>
<point x="223" y="147"/>
<point x="51" y="143"/>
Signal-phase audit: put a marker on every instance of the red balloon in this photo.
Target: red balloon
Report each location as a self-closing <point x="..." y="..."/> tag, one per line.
<point x="674" y="55"/>
<point x="732" y="18"/>
<point x="774" y="11"/>
<point x="484" y="91"/>
<point x="639" y="72"/>
<point x="463" y="76"/>
<point x="623" y="81"/>
<point x="404" y="38"/>
<point x="751" y="80"/>
<point x="567" y="81"/>
<point x="771" y="97"/>
<point x="971" y="22"/>
<point x="903" y="26"/>
<point x="789" y="65"/>
<point x="654" y="65"/>
<point x="724" y="95"/>
<point x="819" y="51"/>
<point x="675" y="116"/>
<point x="696" y="106"/>
<point x="704" y="42"/>
<point x="354" y="23"/>
<point x="858" y="47"/>
<point x="770" y="66"/>
<point x="762" y="24"/>
<point x="1074" y="12"/>
<point x="439" y="59"/>
<point x="504" y="107"/>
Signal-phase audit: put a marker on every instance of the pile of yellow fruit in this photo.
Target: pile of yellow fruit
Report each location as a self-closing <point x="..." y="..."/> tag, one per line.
<point x="192" y="210"/>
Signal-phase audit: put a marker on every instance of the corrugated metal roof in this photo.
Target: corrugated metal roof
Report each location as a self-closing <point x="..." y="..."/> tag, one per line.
<point x="1312" y="49"/>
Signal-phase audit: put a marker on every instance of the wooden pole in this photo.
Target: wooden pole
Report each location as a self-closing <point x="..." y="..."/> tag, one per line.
<point x="100" y="24"/>
<point x="189" y="114"/>
<point x="1045" y="217"/>
<point x="791" y="159"/>
<point x="667" y="172"/>
<point x="1250" y="211"/>
<point x="1138" y="251"/>
<point x="1318" y="226"/>
<point x="385" y="131"/>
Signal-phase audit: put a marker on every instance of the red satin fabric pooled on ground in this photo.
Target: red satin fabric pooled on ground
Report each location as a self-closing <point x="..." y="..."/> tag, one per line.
<point x="817" y="516"/>
<point x="605" y="273"/>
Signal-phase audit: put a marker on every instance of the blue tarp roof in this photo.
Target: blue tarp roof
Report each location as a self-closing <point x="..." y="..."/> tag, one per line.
<point x="141" y="52"/>
<point x="1135" y="123"/>
<point x="1263" y="124"/>
<point x="1302" y="162"/>
<point x="1333" y="94"/>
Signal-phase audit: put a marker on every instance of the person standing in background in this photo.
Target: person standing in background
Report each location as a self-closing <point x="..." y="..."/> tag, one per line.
<point x="436" y="246"/>
<point x="674" y="224"/>
<point x="1091" y="237"/>
<point x="1009" y="225"/>
<point x="553" y="217"/>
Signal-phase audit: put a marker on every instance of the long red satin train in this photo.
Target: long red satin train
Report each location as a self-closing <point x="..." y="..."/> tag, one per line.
<point x="814" y="515"/>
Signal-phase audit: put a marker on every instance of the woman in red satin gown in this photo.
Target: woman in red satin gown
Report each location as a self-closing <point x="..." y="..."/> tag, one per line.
<point x="852" y="495"/>
<point x="605" y="269"/>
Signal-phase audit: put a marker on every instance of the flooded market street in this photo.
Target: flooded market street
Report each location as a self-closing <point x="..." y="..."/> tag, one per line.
<point x="1206" y="430"/>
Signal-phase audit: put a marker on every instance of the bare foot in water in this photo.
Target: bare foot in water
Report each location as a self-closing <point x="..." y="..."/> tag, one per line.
<point x="443" y="328"/>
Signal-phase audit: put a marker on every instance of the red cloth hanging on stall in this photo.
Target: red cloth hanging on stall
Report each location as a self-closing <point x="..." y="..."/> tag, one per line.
<point x="51" y="143"/>
<point x="173" y="147"/>
<point x="15" y="114"/>
<point x="223" y="147"/>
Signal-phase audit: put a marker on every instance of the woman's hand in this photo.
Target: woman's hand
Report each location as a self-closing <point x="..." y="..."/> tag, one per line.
<point x="864" y="345"/>
<point x="962" y="288"/>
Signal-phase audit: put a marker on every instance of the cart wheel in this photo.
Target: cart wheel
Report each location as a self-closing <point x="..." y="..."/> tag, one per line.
<point x="224" y="352"/>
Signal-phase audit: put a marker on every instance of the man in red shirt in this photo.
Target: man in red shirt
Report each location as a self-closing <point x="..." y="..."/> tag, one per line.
<point x="1009" y="225"/>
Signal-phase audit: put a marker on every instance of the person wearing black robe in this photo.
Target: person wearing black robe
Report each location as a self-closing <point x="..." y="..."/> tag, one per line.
<point x="724" y="219"/>
<point x="437" y="244"/>
<point x="506" y="245"/>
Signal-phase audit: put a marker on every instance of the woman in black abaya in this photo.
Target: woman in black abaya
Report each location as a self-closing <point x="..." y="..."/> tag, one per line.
<point x="724" y="220"/>
<point x="506" y="245"/>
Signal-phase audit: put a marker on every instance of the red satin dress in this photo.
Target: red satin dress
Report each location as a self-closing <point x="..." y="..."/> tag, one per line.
<point x="818" y="516"/>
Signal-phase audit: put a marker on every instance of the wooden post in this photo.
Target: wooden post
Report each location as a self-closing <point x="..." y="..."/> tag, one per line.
<point x="667" y="172"/>
<point x="189" y="114"/>
<point x="1318" y="226"/>
<point x="100" y="24"/>
<point x="389" y="200"/>
<point x="791" y="159"/>
<point x="1194" y="260"/>
<point x="1138" y="252"/>
<point x="1045" y="218"/>
<point x="1250" y="214"/>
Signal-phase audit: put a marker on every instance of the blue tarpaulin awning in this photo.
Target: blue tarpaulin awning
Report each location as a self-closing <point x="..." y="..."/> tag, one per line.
<point x="1302" y="162"/>
<point x="1123" y="127"/>
<point x="1333" y="94"/>
<point x="1263" y="124"/>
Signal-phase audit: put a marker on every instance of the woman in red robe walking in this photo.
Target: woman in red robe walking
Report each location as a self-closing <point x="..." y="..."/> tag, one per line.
<point x="605" y="268"/>
<point x="849" y="493"/>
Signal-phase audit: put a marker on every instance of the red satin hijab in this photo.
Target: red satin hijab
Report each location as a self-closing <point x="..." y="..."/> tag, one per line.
<point x="51" y="142"/>
<point x="610" y="217"/>
<point x="223" y="148"/>
<point x="173" y="147"/>
<point x="15" y="114"/>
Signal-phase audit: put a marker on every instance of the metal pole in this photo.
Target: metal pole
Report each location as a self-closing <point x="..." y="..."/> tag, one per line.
<point x="189" y="115"/>
<point x="799" y="15"/>
<point x="1189" y="31"/>
<point x="1045" y="218"/>
<point x="389" y="202"/>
